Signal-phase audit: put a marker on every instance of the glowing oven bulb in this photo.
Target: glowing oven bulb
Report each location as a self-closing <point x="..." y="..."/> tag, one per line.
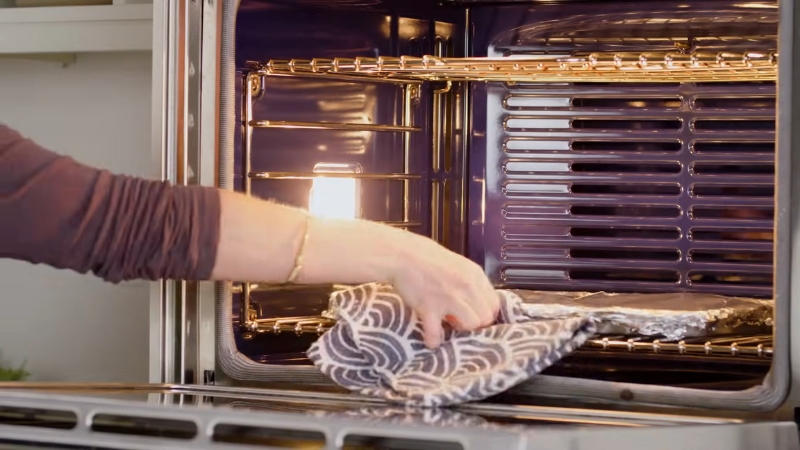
<point x="335" y="197"/>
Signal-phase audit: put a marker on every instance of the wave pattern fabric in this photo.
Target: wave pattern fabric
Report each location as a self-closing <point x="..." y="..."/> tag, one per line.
<point x="376" y="348"/>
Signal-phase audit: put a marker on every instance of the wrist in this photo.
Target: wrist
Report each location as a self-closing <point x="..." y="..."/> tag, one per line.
<point x="388" y="250"/>
<point x="392" y="250"/>
<point x="351" y="251"/>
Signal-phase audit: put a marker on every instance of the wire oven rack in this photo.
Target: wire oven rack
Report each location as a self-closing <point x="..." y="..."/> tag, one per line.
<point x="760" y="345"/>
<point x="651" y="67"/>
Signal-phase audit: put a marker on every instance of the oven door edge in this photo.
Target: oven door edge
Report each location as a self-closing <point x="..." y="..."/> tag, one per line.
<point x="185" y="141"/>
<point x="114" y="423"/>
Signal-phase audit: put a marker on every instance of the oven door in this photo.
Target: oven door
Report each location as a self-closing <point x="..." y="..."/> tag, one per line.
<point x="116" y="416"/>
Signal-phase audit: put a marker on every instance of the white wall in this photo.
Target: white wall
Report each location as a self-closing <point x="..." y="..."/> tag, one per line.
<point x="66" y="326"/>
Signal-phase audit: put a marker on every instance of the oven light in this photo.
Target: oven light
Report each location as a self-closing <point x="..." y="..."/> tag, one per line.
<point x="335" y="197"/>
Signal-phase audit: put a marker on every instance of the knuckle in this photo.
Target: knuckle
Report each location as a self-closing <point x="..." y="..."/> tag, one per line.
<point x="473" y="321"/>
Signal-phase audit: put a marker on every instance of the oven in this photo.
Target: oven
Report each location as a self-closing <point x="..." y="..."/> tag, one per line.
<point x="602" y="148"/>
<point x="612" y="156"/>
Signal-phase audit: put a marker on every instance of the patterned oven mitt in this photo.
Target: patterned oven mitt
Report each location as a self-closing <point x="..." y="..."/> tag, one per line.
<point x="376" y="349"/>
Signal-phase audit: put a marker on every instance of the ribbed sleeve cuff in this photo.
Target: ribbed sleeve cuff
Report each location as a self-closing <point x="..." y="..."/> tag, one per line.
<point x="209" y="213"/>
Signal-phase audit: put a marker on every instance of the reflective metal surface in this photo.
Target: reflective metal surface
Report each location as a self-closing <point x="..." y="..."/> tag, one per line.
<point x="166" y="112"/>
<point x="182" y="417"/>
<point x="345" y="405"/>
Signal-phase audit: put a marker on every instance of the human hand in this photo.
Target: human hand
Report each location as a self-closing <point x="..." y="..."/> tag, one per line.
<point x="441" y="285"/>
<point x="263" y="241"/>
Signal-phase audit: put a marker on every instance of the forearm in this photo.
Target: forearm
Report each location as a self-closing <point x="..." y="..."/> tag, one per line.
<point x="56" y="211"/>
<point x="259" y="241"/>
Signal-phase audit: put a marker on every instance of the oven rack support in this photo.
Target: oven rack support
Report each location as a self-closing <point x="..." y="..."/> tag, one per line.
<point x="665" y="67"/>
<point x="724" y="346"/>
<point x="252" y="90"/>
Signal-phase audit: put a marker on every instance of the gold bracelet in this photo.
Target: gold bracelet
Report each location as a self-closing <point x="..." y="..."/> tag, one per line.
<point x="298" y="260"/>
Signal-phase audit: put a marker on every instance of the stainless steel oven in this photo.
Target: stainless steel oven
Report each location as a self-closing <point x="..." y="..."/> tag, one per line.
<point x="642" y="150"/>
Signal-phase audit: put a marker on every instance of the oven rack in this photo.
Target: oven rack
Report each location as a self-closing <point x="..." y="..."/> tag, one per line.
<point x="760" y="345"/>
<point x="252" y="90"/>
<point x="647" y="67"/>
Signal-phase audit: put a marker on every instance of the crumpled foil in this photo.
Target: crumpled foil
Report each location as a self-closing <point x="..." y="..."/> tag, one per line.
<point x="671" y="316"/>
<point x="666" y="316"/>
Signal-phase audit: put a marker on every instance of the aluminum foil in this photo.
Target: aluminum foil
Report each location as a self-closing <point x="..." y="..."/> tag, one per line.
<point x="671" y="316"/>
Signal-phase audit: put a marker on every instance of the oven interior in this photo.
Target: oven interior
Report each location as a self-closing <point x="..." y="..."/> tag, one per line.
<point x="574" y="180"/>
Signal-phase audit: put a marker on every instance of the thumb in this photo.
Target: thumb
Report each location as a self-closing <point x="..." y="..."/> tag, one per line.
<point x="432" y="329"/>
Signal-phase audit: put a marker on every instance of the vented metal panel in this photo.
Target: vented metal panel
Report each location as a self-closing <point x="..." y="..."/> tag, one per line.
<point x="631" y="187"/>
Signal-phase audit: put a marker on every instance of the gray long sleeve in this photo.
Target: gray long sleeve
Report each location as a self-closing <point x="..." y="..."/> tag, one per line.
<point x="56" y="211"/>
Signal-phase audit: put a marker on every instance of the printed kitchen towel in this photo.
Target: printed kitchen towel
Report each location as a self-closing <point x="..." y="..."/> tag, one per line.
<point x="376" y="349"/>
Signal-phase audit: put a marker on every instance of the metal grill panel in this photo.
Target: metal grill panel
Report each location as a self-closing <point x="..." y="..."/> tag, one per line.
<point x="631" y="187"/>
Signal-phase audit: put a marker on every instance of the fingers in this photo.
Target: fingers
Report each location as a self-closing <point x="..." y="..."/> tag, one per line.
<point x="493" y="305"/>
<point x="463" y="317"/>
<point x="444" y="285"/>
<point x="485" y="303"/>
<point x="485" y="309"/>
<point x="432" y="329"/>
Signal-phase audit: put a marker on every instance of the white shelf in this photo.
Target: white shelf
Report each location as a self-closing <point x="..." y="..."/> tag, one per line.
<point x="76" y="29"/>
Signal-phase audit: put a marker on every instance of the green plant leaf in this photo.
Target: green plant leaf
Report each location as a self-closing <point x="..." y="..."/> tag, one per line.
<point x="8" y="374"/>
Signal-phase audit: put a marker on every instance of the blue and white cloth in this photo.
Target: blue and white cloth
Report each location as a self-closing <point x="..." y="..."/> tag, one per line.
<point x="376" y="348"/>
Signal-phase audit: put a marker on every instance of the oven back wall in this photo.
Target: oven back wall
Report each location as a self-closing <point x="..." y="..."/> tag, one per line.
<point x="625" y="187"/>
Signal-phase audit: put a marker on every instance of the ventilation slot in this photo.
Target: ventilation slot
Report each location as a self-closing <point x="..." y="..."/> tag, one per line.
<point x="144" y="426"/>
<point x="626" y="233"/>
<point x="8" y="444"/>
<point x="626" y="189"/>
<point x="633" y="103"/>
<point x="269" y="437"/>
<point x="735" y="84"/>
<point x="360" y="442"/>
<point x="534" y="102"/>
<point x="626" y="254"/>
<point x="767" y="103"/>
<point x="730" y="279"/>
<point x="731" y="234"/>
<point x="627" y="146"/>
<point x="653" y="276"/>
<point x="737" y="168"/>
<point x="38" y="418"/>
<point x="702" y="147"/>
<point x="631" y="125"/>
<point x="733" y="125"/>
<point x="733" y="213"/>
<point x="597" y="167"/>
<point x="626" y="211"/>
<point x="710" y="190"/>
<point x="735" y="257"/>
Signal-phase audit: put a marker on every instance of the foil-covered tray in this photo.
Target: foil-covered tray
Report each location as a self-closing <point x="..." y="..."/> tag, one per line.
<point x="671" y="316"/>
